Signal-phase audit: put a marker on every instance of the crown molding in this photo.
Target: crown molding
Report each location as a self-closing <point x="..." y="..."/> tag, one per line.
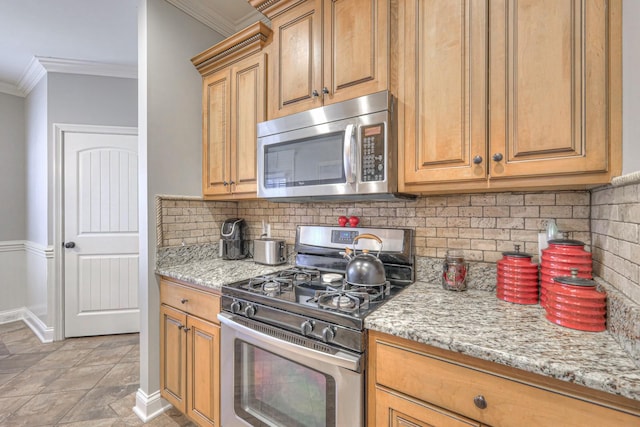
<point x="92" y="68"/>
<point x="31" y="76"/>
<point x="40" y="66"/>
<point x="205" y="13"/>
<point x="10" y="89"/>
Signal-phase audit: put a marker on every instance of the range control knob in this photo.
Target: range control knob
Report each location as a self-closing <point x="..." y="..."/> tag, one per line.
<point x="249" y="311"/>
<point x="328" y="334"/>
<point x="235" y="307"/>
<point x="306" y="327"/>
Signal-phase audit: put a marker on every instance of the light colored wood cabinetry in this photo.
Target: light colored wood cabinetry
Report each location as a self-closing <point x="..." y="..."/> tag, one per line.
<point x="325" y="51"/>
<point x="190" y="351"/>
<point x="510" y="94"/>
<point x="414" y="384"/>
<point x="233" y="102"/>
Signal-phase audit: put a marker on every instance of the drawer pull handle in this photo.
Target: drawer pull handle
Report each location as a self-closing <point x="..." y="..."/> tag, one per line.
<point x="480" y="401"/>
<point x="184" y="300"/>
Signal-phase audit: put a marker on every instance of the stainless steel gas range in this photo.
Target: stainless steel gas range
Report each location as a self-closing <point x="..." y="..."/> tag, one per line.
<point x="293" y="342"/>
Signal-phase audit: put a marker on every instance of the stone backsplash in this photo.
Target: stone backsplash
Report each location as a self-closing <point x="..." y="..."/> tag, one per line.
<point x="482" y="225"/>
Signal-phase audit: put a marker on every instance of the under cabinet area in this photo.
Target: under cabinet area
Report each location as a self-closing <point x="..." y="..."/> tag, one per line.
<point x="190" y="351"/>
<point x="325" y="51"/>
<point x="415" y="384"/>
<point x="233" y="103"/>
<point x="508" y="94"/>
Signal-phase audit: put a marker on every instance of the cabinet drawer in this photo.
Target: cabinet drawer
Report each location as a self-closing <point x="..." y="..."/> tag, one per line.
<point x="199" y="303"/>
<point x="453" y="386"/>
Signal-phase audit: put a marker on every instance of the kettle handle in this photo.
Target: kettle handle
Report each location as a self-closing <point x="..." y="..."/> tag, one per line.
<point x="368" y="236"/>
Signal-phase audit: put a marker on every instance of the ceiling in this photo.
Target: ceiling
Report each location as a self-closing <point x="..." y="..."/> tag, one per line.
<point x="94" y="34"/>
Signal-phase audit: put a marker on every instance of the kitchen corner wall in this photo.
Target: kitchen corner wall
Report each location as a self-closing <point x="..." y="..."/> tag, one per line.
<point x="615" y="226"/>
<point x="483" y="225"/>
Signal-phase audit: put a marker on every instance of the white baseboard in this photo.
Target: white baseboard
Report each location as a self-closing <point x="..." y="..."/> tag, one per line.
<point x="42" y="331"/>
<point x="12" y="315"/>
<point x="149" y="406"/>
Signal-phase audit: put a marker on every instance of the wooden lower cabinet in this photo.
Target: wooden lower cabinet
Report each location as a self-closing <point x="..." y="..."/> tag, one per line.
<point x="190" y="353"/>
<point x="412" y="384"/>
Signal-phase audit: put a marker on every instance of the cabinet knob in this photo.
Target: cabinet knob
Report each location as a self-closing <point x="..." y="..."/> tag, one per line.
<point x="497" y="157"/>
<point x="225" y="183"/>
<point x="325" y="91"/>
<point x="184" y="300"/>
<point x="477" y="160"/>
<point x="180" y="327"/>
<point x="186" y="329"/>
<point x="315" y="93"/>
<point x="232" y="183"/>
<point x="480" y="401"/>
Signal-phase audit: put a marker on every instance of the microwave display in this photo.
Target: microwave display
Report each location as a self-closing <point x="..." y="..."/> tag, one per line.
<point x="373" y="153"/>
<point x="305" y="162"/>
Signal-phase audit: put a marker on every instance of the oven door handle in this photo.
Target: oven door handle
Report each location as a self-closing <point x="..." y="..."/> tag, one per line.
<point x="340" y="358"/>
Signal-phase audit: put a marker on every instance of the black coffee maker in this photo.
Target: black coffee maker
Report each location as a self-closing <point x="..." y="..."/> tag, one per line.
<point x="233" y="243"/>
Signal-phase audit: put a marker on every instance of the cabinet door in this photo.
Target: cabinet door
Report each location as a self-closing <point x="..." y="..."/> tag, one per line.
<point x="444" y="88"/>
<point x="203" y="372"/>
<point x="216" y="133"/>
<point x="297" y="61"/>
<point x="173" y="352"/>
<point x="248" y="109"/>
<point x="393" y="410"/>
<point x="356" y="48"/>
<point x="548" y="98"/>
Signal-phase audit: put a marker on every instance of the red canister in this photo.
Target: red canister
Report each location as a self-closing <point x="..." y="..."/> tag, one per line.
<point x="517" y="278"/>
<point x="576" y="303"/>
<point x="557" y="261"/>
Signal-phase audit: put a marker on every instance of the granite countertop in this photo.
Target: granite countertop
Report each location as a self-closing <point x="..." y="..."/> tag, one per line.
<point x="213" y="273"/>
<point x="478" y="324"/>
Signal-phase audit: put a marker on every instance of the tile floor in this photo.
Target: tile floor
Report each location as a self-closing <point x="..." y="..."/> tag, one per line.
<point x="76" y="382"/>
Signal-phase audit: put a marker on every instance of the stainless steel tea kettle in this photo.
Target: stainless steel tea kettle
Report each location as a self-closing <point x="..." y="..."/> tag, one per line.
<point x="365" y="269"/>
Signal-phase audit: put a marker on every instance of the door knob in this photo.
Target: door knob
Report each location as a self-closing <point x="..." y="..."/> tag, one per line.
<point x="70" y="245"/>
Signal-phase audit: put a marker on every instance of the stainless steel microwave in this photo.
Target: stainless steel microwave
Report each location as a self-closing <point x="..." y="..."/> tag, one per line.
<point x="346" y="150"/>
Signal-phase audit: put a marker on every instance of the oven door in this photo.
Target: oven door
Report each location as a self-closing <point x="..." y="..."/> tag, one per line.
<point x="268" y="381"/>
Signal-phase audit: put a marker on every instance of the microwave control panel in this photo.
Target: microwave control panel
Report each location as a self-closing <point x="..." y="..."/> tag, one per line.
<point x="372" y="156"/>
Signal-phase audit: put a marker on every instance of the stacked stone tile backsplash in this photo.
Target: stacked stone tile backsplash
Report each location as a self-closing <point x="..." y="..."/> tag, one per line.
<point x="483" y="225"/>
<point x="615" y="226"/>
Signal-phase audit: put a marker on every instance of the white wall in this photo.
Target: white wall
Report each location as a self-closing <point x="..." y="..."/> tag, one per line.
<point x="37" y="163"/>
<point x="12" y="168"/>
<point x="630" y="86"/>
<point x="170" y="130"/>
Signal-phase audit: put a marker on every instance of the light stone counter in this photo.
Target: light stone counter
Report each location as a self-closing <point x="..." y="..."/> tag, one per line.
<point x="478" y="324"/>
<point x="214" y="273"/>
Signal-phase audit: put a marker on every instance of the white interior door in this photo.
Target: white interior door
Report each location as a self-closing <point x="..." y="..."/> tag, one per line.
<point x="100" y="234"/>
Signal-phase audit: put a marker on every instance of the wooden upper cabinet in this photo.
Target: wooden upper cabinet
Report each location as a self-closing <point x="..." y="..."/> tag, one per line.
<point x="233" y="102"/>
<point x="550" y="86"/>
<point x="356" y="48"/>
<point x="444" y="91"/>
<point x="506" y="94"/>
<point x="216" y="132"/>
<point x="326" y="51"/>
<point x="296" y="79"/>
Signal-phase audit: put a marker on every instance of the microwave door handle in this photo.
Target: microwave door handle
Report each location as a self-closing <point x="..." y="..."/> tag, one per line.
<point x="349" y="154"/>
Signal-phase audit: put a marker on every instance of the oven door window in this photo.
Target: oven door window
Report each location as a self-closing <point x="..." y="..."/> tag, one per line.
<point x="305" y="162"/>
<point x="274" y="391"/>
